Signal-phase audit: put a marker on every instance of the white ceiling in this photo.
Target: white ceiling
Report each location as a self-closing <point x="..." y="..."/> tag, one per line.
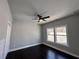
<point x="54" y="8"/>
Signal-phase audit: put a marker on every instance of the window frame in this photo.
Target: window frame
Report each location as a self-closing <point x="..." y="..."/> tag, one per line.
<point x="62" y="35"/>
<point x="53" y="35"/>
<point x="54" y="27"/>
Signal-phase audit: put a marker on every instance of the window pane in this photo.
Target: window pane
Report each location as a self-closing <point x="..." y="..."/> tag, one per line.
<point x="50" y="34"/>
<point x="50" y="38"/>
<point x="61" y="30"/>
<point x="50" y="31"/>
<point x="61" y="35"/>
<point x="61" y="40"/>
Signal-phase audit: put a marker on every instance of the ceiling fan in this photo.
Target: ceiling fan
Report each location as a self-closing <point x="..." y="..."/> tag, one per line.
<point x="37" y="13"/>
<point x="42" y="18"/>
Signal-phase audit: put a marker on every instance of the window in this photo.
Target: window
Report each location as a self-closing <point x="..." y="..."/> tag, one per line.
<point x="57" y="35"/>
<point x="61" y="35"/>
<point x="50" y="34"/>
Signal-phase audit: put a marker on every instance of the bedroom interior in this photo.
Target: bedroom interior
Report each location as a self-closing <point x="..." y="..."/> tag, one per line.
<point x="39" y="29"/>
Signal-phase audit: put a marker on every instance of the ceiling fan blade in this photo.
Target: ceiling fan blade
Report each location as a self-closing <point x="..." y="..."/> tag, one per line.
<point x="39" y="16"/>
<point x="46" y="17"/>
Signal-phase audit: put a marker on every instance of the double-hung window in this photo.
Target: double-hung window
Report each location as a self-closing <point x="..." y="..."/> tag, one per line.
<point x="57" y="35"/>
<point x="50" y="34"/>
<point x="61" y="35"/>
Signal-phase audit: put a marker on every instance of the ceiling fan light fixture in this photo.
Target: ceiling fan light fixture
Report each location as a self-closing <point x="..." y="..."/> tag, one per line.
<point x="40" y="20"/>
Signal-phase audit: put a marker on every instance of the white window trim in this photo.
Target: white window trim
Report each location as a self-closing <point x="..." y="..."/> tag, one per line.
<point x="67" y="45"/>
<point x="47" y="35"/>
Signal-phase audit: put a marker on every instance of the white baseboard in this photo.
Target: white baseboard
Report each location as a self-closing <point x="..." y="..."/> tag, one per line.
<point x="46" y="45"/>
<point x="61" y="50"/>
<point x="24" y="47"/>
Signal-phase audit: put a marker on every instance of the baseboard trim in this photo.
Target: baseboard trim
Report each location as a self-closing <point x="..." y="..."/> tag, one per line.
<point x="24" y="47"/>
<point x="61" y="50"/>
<point x="46" y="45"/>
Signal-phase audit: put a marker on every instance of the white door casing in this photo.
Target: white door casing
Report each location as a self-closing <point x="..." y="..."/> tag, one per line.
<point x="7" y="41"/>
<point x="2" y="43"/>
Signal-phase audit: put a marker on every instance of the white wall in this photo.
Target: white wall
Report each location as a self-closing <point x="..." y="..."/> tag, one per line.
<point x="24" y="33"/>
<point x="5" y="17"/>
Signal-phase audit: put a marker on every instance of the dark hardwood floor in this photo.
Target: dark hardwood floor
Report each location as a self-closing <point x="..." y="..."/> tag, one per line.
<point x="39" y="52"/>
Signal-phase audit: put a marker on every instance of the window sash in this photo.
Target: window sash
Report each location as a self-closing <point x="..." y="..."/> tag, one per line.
<point x="61" y="35"/>
<point x="50" y="38"/>
<point x="50" y="34"/>
<point x="61" y="39"/>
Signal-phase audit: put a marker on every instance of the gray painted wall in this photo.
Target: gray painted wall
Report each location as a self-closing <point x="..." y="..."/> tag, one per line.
<point x="73" y="33"/>
<point x="24" y="33"/>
